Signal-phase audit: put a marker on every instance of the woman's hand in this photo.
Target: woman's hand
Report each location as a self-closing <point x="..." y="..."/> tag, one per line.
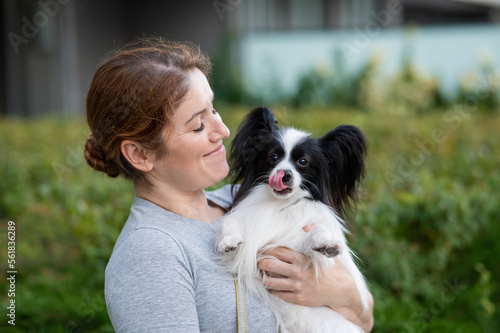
<point x="297" y="284"/>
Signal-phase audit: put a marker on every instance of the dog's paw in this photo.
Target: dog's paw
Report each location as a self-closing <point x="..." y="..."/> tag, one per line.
<point x="229" y="243"/>
<point x="329" y="250"/>
<point x="321" y="241"/>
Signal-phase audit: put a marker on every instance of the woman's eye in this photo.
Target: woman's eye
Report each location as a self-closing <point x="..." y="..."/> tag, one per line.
<point x="199" y="129"/>
<point x="273" y="158"/>
<point x="303" y="162"/>
<point x="214" y="111"/>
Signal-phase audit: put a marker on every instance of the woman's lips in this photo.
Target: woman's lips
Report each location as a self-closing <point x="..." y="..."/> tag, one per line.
<point x="220" y="150"/>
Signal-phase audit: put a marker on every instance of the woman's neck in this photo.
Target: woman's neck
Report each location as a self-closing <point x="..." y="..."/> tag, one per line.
<point x="190" y="204"/>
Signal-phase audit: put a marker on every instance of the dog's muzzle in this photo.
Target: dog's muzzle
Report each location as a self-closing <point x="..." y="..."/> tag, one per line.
<point x="281" y="180"/>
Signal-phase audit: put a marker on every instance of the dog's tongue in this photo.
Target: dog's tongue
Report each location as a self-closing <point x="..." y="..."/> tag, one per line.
<point x="276" y="181"/>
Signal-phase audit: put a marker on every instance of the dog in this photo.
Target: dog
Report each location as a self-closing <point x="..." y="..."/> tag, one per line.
<point x="290" y="180"/>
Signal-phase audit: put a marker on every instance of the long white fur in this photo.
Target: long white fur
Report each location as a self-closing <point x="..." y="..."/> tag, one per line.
<point x="264" y="220"/>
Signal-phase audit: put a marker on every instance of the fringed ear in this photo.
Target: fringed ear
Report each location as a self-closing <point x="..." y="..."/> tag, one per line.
<point x="254" y="135"/>
<point x="345" y="149"/>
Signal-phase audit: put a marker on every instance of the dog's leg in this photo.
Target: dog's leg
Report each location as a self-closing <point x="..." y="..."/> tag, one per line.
<point x="321" y="240"/>
<point x="230" y="235"/>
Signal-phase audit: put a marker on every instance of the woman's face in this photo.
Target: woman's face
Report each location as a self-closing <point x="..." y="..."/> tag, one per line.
<point x="196" y="157"/>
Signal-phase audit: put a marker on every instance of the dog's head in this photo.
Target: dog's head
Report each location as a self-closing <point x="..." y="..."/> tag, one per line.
<point x="295" y="165"/>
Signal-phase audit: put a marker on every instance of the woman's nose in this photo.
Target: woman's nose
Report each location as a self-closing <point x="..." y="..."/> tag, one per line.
<point x="220" y="130"/>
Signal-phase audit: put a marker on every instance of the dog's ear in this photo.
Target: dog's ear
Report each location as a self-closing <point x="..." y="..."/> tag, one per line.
<point x="260" y="120"/>
<point x="345" y="149"/>
<point x="253" y="136"/>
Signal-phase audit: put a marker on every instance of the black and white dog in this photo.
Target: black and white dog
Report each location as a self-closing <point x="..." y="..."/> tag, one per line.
<point x="290" y="180"/>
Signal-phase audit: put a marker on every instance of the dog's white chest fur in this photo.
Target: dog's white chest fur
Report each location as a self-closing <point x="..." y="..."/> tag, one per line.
<point x="261" y="222"/>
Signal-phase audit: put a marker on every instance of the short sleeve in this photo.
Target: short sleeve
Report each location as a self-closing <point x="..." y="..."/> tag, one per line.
<point x="223" y="196"/>
<point x="149" y="285"/>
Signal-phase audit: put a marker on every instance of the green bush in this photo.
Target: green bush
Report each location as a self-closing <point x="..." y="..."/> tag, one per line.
<point x="326" y="86"/>
<point x="227" y="81"/>
<point x="481" y="88"/>
<point x="426" y="230"/>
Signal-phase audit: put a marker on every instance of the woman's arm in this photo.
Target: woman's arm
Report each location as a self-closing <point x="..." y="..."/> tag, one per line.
<point x="148" y="286"/>
<point x="336" y="288"/>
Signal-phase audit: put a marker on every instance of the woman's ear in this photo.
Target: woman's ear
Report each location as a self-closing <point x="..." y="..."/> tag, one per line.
<point x="138" y="156"/>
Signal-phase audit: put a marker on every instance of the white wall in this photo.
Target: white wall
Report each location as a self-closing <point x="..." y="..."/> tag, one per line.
<point x="447" y="52"/>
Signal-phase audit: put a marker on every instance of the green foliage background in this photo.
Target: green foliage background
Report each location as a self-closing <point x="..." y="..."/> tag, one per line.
<point x="426" y="230"/>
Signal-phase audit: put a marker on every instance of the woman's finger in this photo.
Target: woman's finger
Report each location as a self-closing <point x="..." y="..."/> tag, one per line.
<point x="286" y="255"/>
<point x="276" y="267"/>
<point x="279" y="284"/>
<point x="308" y="227"/>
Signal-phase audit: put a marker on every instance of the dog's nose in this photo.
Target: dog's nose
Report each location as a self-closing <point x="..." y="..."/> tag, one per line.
<point x="287" y="176"/>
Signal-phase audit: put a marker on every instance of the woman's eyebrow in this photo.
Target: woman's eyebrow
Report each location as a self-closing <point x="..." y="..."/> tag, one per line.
<point x="194" y="116"/>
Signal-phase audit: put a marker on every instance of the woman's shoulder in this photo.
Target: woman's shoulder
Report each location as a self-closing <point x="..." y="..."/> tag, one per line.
<point x="223" y="196"/>
<point x="143" y="241"/>
<point x="146" y="222"/>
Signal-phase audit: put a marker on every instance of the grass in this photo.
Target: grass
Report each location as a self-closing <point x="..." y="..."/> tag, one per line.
<point x="426" y="229"/>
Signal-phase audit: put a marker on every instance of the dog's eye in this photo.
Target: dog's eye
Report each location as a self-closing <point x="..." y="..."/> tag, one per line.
<point x="303" y="162"/>
<point x="273" y="158"/>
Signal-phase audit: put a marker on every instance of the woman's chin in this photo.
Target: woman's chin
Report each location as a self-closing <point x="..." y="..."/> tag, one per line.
<point x="223" y="172"/>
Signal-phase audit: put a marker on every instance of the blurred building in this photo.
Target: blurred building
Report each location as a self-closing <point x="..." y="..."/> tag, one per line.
<point x="281" y="40"/>
<point x="51" y="48"/>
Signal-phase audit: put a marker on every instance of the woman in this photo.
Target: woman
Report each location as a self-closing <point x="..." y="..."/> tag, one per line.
<point x="150" y="111"/>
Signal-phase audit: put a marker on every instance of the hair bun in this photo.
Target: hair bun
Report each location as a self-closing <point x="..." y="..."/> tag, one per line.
<point x="96" y="158"/>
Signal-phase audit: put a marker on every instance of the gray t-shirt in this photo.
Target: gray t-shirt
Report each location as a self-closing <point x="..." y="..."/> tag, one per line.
<point x="163" y="276"/>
